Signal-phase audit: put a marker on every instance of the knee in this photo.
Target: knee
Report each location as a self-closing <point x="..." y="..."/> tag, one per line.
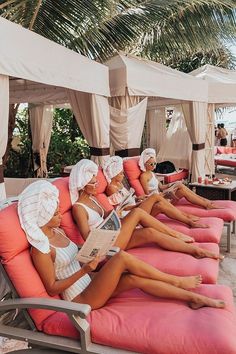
<point x="120" y="257"/>
<point x="162" y="205"/>
<point x="138" y="212"/>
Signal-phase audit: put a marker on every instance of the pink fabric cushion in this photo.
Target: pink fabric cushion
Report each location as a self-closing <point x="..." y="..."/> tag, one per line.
<point x="132" y="171"/>
<point x="179" y="263"/>
<point x="225" y="150"/>
<point x="159" y="326"/>
<point x="64" y="195"/>
<point x="178" y="176"/>
<point x="228" y="213"/>
<point x="229" y="162"/>
<point x="28" y="283"/>
<point x="211" y="234"/>
<point x="12" y="237"/>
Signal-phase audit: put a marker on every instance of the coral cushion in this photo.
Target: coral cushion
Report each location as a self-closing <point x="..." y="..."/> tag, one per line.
<point x="225" y="150"/>
<point x="228" y="213"/>
<point x="64" y="195"/>
<point x="226" y="162"/>
<point x="210" y="234"/>
<point x="132" y="171"/>
<point x="179" y="263"/>
<point x="158" y="326"/>
<point x="28" y="283"/>
<point x="12" y="237"/>
<point x="175" y="176"/>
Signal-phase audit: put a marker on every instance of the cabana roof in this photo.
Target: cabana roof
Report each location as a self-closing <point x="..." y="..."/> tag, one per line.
<point x="221" y="83"/>
<point x="147" y="78"/>
<point x="27" y="55"/>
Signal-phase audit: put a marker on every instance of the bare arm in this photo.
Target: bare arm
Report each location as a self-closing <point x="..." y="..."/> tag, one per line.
<point x="144" y="182"/>
<point x="45" y="267"/>
<point x="81" y="218"/>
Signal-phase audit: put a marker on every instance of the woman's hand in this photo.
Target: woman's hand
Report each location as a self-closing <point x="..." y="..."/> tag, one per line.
<point x="92" y="265"/>
<point x="141" y="198"/>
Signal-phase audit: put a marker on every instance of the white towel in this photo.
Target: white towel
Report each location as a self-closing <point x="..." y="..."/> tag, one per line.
<point x="112" y="167"/>
<point x="145" y="156"/>
<point x="80" y="176"/>
<point x="36" y="207"/>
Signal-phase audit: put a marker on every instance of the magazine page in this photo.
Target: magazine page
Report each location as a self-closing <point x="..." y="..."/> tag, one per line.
<point x="112" y="222"/>
<point x="98" y="243"/>
<point x="128" y="200"/>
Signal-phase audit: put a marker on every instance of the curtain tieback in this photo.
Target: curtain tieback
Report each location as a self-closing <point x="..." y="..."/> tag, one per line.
<point x="198" y="146"/>
<point x="99" y="151"/>
<point x="1" y="174"/>
<point x="128" y="152"/>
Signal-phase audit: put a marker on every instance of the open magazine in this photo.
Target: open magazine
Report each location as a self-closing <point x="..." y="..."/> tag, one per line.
<point x="100" y="240"/>
<point x="129" y="199"/>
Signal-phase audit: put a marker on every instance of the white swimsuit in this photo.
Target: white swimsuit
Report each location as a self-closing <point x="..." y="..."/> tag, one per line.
<point x="66" y="265"/>
<point x="94" y="218"/>
<point x="153" y="185"/>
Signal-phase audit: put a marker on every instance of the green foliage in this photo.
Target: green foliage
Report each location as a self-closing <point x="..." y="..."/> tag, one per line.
<point x="67" y="145"/>
<point x="19" y="163"/>
<point x="99" y="28"/>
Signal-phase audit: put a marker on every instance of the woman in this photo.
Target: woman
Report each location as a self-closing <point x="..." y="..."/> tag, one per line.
<point x="173" y="191"/>
<point x="89" y="214"/>
<point x="153" y="204"/>
<point x="54" y="257"/>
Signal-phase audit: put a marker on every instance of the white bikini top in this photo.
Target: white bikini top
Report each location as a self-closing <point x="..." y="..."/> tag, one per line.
<point x="153" y="184"/>
<point x="117" y="197"/>
<point x="94" y="218"/>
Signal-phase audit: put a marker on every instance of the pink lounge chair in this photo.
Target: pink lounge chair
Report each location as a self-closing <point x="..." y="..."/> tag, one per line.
<point x="228" y="214"/>
<point x="172" y="262"/>
<point x="158" y="325"/>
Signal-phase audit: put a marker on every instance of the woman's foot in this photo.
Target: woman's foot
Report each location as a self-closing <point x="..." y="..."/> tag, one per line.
<point x="185" y="238"/>
<point x="203" y="253"/>
<point x="190" y="282"/>
<point x="205" y="301"/>
<point x="198" y="225"/>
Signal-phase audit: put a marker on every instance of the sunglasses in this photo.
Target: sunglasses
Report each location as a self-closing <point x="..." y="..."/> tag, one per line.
<point x="151" y="164"/>
<point x="95" y="184"/>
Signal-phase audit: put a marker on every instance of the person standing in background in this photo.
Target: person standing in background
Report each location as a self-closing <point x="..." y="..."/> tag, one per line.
<point x="222" y="133"/>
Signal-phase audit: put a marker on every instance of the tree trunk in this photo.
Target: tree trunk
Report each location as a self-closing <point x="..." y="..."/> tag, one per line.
<point x="11" y="125"/>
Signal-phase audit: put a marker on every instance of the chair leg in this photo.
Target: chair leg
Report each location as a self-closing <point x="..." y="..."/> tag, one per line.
<point x="234" y="229"/>
<point x="228" y="226"/>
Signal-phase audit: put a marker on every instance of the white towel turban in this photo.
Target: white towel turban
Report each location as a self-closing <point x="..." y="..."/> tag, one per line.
<point x="112" y="167"/>
<point x="80" y="176"/>
<point x="37" y="205"/>
<point x="145" y="156"/>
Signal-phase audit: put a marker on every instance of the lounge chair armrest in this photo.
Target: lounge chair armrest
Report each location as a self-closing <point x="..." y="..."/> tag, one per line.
<point x="70" y="308"/>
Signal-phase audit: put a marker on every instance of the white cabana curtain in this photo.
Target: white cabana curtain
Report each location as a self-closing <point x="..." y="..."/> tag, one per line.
<point x="4" y="113"/>
<point x="127" y="122"/>
<point x="41" y="118"/>
<point x="210" y="140"/>
<point x="177" y="145"/>
<point x="156" y="127"/>
<point x="93" y="117"/>
<point x="195" y="114"/>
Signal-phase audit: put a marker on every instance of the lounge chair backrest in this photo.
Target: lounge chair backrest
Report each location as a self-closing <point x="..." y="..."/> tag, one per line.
<point x="15" y="256"/>
<point x="132" y="171"/>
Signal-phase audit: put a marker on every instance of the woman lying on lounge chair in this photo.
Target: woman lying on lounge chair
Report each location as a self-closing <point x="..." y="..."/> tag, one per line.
<point x="153" y="204"/>
<point x="89" y="214"/>
<point x="54" y="257"/>
<point x="173" y="191"/>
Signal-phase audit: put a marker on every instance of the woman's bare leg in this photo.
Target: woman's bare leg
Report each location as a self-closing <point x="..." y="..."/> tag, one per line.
<point x="193" y="198"/>
<point x="147" y="235"/>
<point x="136" y="216"/>
<point x="111" y="280"/>
<point x="174" y="213"/>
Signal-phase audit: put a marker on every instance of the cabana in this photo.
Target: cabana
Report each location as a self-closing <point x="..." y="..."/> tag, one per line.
<point x="137" y="85"/>
<point x="41" y="72"/>
<point x="221" y="93"/>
